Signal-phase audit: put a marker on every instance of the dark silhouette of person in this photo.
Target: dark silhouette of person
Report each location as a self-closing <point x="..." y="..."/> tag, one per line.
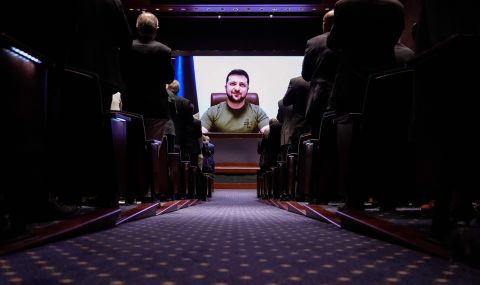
<point x="295" y="125"/>
<point x="269" y="146"/>
<point x="147" y="69"/>
<point x="318" y="68"/>
<point x="439" y="19"/>
<point x="284" y="114"/>
<point x="365" y="34"/>
<point x="447" y="37"/>
<point x="208" y="151"/>
<point x="100" y="33"/>
<point x="172" y="90"/>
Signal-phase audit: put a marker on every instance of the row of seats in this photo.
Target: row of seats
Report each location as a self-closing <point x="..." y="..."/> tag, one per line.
<point x="422" y="112"/>
<point x="143" y="170"/>
<point x="356" y="155"/>
<point x="63" y="148"/>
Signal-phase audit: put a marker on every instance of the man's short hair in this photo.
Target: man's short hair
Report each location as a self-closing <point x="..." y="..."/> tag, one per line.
<point x="147" y="24"/>
<point x="328" y="19"/>
<point x="238" y="72"/>
<point x="174" y="86"/>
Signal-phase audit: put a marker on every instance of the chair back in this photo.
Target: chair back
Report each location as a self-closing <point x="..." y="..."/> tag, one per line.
<point x="217" y="98"/>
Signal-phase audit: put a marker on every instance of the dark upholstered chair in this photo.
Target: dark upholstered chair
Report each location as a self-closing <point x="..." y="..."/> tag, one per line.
<point x="372" y="145"/>
<point x="445" y="120"/>
<point x="217" y="98"/>
<point x="77" y="118"/>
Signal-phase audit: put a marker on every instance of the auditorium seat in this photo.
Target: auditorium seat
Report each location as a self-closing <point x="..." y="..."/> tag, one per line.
<point x="139" y="168"/>
<point x="82" y="146"/>
<point x="159" y="161"/>
<point x="324" y="187"/>
<point x="372" y="145"/>
<point x="216" y="98"/>
<point x="445" y="120"/>
<point x="292" y="161"/>
<point x="175" y="166"/>
<point x="305" y="167"/>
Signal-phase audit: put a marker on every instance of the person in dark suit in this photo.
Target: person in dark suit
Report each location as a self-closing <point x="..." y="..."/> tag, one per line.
<point x="364" y="34"/>
<point x="148" y="68"/>
<point x="446" y="148"/>
<point x="295" y="125"/>
<point x="269" y="146"/>
<point x="100" y="32"/>
<point x="284" y="116"/>
<point x="172" y="90"/>
<point x="183" y="118"/>
<point x="439" y="19"/>
<point x="318" y="68"/>
<point x="208" y="151"/>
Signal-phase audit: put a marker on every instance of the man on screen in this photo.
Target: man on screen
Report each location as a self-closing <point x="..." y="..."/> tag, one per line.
<point x="235" y="115"/>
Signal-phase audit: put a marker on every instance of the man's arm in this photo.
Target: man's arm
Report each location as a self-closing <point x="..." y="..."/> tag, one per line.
<point x="265" y="129"/>
<point x="262" y="120"/>
<point x="206" y="121"/>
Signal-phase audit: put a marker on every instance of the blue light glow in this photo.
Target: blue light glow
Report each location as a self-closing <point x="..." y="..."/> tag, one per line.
<point x="25" y="55"/>
<point x="179" y="74"/>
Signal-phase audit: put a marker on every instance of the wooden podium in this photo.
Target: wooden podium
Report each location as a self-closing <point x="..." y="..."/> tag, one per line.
<point x="236" y="153"/>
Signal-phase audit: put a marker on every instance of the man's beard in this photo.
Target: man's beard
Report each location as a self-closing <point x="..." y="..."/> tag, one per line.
<point x="231" y="98"/>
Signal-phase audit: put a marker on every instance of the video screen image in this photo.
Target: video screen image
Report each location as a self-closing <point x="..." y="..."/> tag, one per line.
<point x="269" y="78"/>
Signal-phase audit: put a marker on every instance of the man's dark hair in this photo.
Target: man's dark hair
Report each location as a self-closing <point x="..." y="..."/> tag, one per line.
<point x="238" y="72"/>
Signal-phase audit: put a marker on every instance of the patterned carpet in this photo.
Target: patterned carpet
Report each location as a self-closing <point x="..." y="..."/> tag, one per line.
<point x="233" y="239"/>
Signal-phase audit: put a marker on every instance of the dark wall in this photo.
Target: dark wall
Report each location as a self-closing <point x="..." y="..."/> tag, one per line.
<point x="44" y="25"/>
<point x="262" y="34"/>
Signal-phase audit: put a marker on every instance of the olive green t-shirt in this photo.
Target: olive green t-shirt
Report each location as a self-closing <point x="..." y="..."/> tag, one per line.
<point x="221" y="118"/>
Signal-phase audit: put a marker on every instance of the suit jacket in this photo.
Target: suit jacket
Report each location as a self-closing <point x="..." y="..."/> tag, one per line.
<point x="183" y="119"/>
<point x="100" y="32"/>
<point x="147" y="69"/>
<point x="440" y="19"/>
<point x="315" y="52"/>
<point x="364" y="34"/>
<point x="296" y="96"/>
<point x="284" y="117"/>
<point x="269" y="146"/>
<point x="366" y="24"/>
<point x="319" y="67"/>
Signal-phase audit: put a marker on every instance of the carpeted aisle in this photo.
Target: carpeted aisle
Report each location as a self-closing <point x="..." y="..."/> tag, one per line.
<point x="233" y="239"/>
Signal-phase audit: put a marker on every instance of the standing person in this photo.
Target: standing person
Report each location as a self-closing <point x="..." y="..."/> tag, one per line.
<point x="180" y="112"/>
<point x="235" y="115"/>
<point x="100" y="32"/>
<point x="269" y="146"/>
<point x="445" y="146"/>
<point x="440" y="19"/>
<point x="148" y="68"/>
<point x="318" y="68"/>
<point x="170" y="131"/>
<point x="365" y="34"/>
<point x="295" y="96"/>
<point x="284" y="117"/>
<point x="208" y="151"/>
<point x="191" y="144"/>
